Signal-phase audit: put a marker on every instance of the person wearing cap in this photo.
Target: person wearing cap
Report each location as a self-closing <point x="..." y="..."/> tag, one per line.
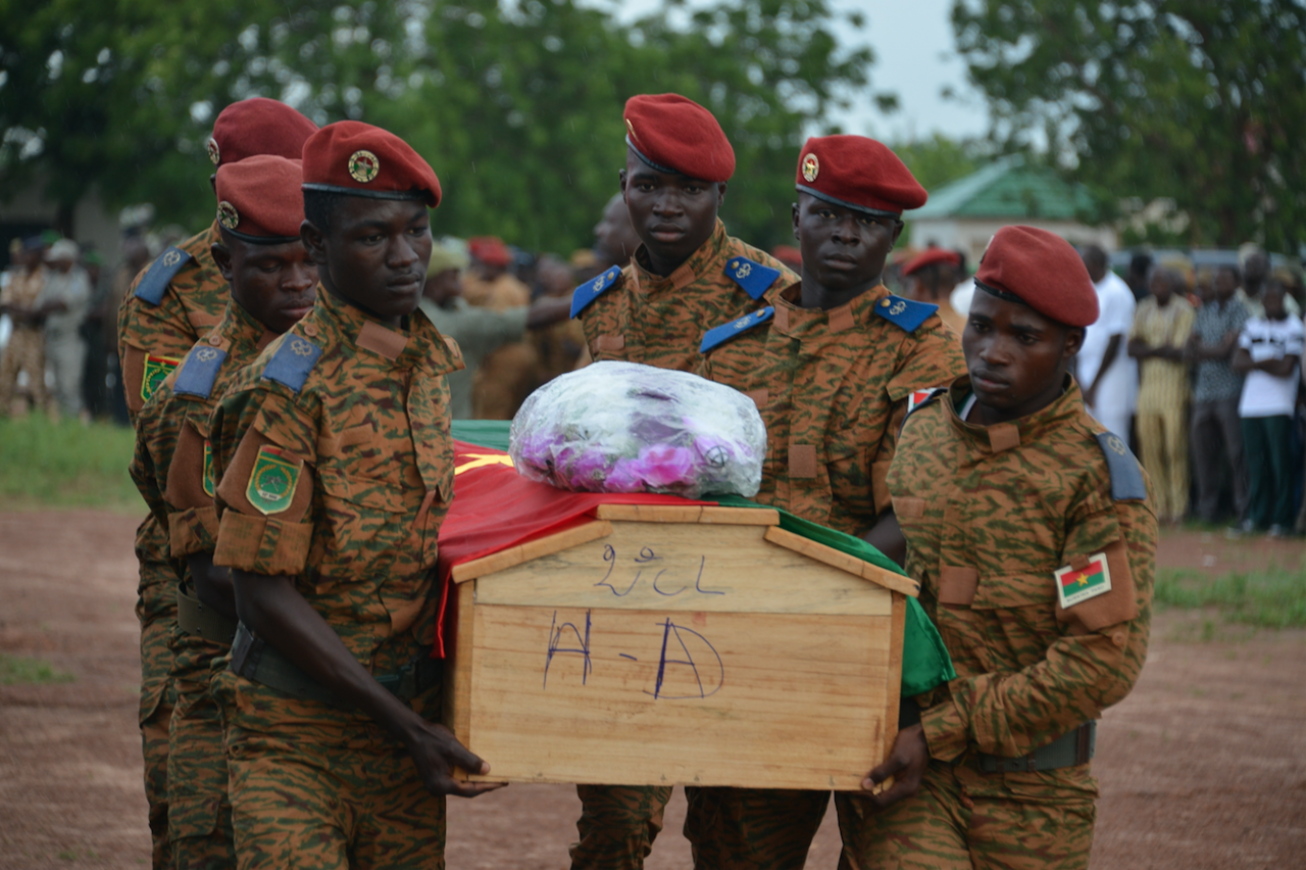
<point x="271" y="280"/>
<point x="506" y="374"/>
<point x="174" y="301"/>
<point x="931" y="277"/>
<point x="25" y="351"/>
<point x="832" y="363"/>
<point x="65" y="297"/>
<point x="334" y="470"/>
<point x="1030" y="528"/>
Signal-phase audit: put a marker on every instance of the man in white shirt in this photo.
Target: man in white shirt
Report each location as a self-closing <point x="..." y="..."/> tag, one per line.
<point x="1269" y="353"/>
<point x="1108" y="377"/>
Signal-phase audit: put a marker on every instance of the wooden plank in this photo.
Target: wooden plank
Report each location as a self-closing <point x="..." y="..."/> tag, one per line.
<point x="674" y="513"/>
<point x="531" y="550"/>
<point x="889" y="580"/>
<point x="685" y="567"/>
<point x="732" y="516"/>
<point x="813" y="550"/>
<point x="898" y="626"/>
<point x="458" y="665"/>
<point x="645" y="697"/>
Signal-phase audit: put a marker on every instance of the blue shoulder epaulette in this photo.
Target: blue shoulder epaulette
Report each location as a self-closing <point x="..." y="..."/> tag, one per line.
<point x="727" y="331"/>
<point x="753" y="277"/>
<point x="907" y="314"/>
<point x="592" y="289"/>
<point x="155" y="281"/>
<point x="199" y="372"/>
<point x="292" y="362"/>
<point x="1126" y="474"/>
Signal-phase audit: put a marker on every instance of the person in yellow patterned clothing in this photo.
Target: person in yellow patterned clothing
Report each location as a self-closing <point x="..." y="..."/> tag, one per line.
<point x="1030" y="529"/>
<point x="26" y="349"/>
<point x="686" y="274"/>
<point x="272" y="280"/>
<point x="177" y="299"/>
<point x="831" y="363"/>
<point x="335" y="468"/>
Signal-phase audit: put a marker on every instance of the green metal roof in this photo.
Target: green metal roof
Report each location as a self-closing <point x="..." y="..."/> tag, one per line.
<point x="1007" y="188"/>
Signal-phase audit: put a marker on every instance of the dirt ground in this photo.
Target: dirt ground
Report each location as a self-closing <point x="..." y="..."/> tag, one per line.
<point x="1203" y="766"/>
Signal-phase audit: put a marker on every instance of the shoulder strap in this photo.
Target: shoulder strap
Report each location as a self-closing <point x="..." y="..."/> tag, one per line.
<point x="155" y="280"/>
<point x="592" y="289"/>
<point x="726" y="331"/>
<point x="1126" y="474"/>
<point x="906" y="314"/>
<point x="292" y="362"/>
<point x="753" y="277"/>
<point x="199" y="372"/>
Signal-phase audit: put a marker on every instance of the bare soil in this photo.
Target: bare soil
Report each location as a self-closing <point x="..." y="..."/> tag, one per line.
<point x="1203" y="766"/>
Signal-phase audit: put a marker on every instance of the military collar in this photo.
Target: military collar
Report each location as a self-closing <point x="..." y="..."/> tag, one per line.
<point x="707" y="259"/>
<point x="238" y="330"/>
<point x="1062" y="411"/>
<point x="198" y="245"/>
<point x="795" y="321"/>
<point x="418" y="344"/>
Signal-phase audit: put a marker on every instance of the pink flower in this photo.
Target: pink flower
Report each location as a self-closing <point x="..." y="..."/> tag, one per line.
<point x="585" y="471"/>
<point x="624" y="477"/>
<point x="663" y="465"/>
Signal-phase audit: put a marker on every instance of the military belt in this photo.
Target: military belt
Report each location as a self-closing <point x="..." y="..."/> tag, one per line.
<point x="200" y="620"/>
<point x="255" y="659"/>
<point x="1068" y="750"/>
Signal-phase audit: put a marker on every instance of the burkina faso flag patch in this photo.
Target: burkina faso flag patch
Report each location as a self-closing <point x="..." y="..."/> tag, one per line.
<point x="272" y="481"/>
<point x="157" y="369"/>
<point x="1080" y="584"/>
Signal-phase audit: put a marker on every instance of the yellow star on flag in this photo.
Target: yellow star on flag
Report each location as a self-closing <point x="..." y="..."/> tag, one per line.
<point x="481" y="460"/>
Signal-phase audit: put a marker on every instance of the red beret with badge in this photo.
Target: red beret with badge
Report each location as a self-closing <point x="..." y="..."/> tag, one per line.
<point x="489" y="250"/>
<point x="672" y="133"/>
<point x="1042" y="270"/>
<point x="857" y="172"/>
<point x="259" y="199"/>
<point x="929" y="257"/>
<point x="361" y="160"/>
<point x="258" y="126"/>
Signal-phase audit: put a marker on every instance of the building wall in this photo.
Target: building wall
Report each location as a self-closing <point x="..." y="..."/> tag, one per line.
<point x="972" y="235"/>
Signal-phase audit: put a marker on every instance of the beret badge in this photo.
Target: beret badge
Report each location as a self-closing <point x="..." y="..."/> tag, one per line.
<point x="363" y="166"/>
<point x="811" y="168"/>
<point x="212" y="147"/>
<point x="227" y="215"/>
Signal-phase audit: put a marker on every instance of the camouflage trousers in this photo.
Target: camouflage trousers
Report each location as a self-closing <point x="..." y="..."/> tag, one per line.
<point x="317" y="788"/>
<point x="24" y="353"/>
<point x="617" y="825"/>
<point x="753" y="828"/>
<point x="156" y="609"/>
<point x="199" y="813"/>
<point x="962" y="819"/>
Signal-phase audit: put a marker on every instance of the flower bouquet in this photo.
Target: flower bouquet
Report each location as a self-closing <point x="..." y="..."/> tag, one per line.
<point x="624" y="427"/>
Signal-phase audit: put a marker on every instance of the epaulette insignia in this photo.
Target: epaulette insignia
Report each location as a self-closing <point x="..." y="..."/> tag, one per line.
<point x="155" y="280"/>
<point x="199" y="372"/>
<point x="907" y="314"/>
<point x="753" y="277"/>
<point x="292" y="362"/>
<point x="727" y="331"/>
<point x="592" y="289"/>
<point x="1126" y="474"/>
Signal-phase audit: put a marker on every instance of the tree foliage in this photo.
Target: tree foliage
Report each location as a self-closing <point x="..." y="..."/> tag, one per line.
<point x="1201" y="101"/>
<point x="516" y="104"/>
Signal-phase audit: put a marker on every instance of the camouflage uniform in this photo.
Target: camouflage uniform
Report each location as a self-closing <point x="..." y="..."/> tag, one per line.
<point x="636" y="316"/>
<point x="989" y="514"/>
<point x="172" y="473"/>
<point x="832" y="387"/>
<point x="175" y="300"/>
<point x="26" y="348"/>
<point x="357" y="416"/>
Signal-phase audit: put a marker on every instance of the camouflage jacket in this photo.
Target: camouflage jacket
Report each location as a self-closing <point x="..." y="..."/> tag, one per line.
<point x="832" y="387"/>
<point x="636" y="316"/>
<point x="172" y="466"/>
<point x="990" y="513"/>
<point x="173" y="302"/>
<point x="335" y="465"/>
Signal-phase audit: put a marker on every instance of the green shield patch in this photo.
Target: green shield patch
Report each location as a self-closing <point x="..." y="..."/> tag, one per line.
<point x="208" y="468"/>
<point x="272" y="481"/>
<point x="157" y="369"/>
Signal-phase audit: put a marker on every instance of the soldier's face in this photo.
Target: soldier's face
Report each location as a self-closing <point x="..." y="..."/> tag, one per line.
<point x="276" y="284"/>
<point x="375" y="255"/>
<point x="672" y="214"/>
<point x="1017" y="358"/>
<point x="843" y="248"/>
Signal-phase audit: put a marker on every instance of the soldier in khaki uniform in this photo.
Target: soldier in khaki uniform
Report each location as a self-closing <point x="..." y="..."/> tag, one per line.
<point x="260" y="208"/>
<point x="177" y="299"/>
<point x="335" y="470"/>
<point x="1031" y="531"/>
<point x="687" y="274"/>
<point x="831" y="363"/>
<point x="26" y="349"/>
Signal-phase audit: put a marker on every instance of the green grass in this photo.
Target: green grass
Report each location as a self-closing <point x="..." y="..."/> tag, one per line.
<point x="1272" y="598"/>
<point x="18" y="670"/>
<point x="65" y="464"/>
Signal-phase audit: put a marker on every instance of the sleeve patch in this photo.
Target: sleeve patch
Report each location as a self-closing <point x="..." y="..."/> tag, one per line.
<point x="1126" y="474"/>
<point x="161" y="271"/>
<point x="156" y="371"/>
<point x="292" y="362"/>
<point x="199" y="372"/>
<point x="906" y="314"/>
<point x="727" y="331"/>
<point x="272" y="481"/>
<point x="592" y="289"/>
<point x="753" y="277"/>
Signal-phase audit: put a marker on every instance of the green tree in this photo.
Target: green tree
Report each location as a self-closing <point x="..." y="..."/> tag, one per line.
<point x="1203" y="102"/>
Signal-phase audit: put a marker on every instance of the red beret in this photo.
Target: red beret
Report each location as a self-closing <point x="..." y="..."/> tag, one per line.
<point x="929" y="257"/>
<point x="259" y="199"/>
<point x="258" y="126"/>
<point x="362" y="160"/>
<point x="672" y="133"/>
<point x="489" y="250"/>
<point x="1042" y="270"/>
<point x="859" y="173"/>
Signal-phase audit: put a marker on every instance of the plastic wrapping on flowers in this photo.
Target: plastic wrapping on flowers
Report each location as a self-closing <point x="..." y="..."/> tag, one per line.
<point x="624" y="427"/>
